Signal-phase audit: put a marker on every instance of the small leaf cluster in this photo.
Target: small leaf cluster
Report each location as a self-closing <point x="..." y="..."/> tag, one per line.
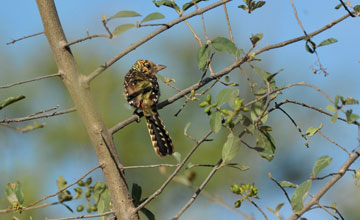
<point x="97" y="195"/>
<point x="219" y="114"/>
<point x="176" y="7"/>
<point x="15" y="196"/>
<point x="251" y="5"/>
<point x="339" y="104"/>
<point x="356" y="8"/>
<point x="136" y="192"/>
<point x="246" y="191"/>
<point x="126" y="14"/>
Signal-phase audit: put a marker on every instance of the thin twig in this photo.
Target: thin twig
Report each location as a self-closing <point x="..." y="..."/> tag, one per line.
<point x="31" y="80"/>
<point x="86" y="38"/>
<point x="347" y="9"/>
<point x="332" y="141"/>
<point x="83" y="216"/>
<point x="176" y="171"/>
<point x="198" y="191"/>
<point x="62" y="190"/>
<point x="37" y="116"/>
<point x="133" y="46"/>
<point x="22" y="38"/>
<point x="352" y="158"/>
<point x="150" y="166"/>
<point x="282" y="188"/>
<point x="44" y="111"/>
<point x="258" y="208"/>
<point x="228" y="23"/>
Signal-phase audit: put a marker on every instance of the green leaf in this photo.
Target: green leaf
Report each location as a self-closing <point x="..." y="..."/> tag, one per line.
<point x="266" y="76"/>
<point x="265" y="145"/>
<point x="203" y="56"/>
<point x="64" y="195"/>
<point x="258" y="107"/>
<point x="152" y="16"/>
<point x="187" y="126"/>
<point x="122" y="28"/>
<point x="226" y="95"/>
<point x="215" y="121"/>
<point x="320" y="164"/>
<point x="104" y="202"/>
<point x="350" y="101"/>
<point x="310" y="46"/>
<point x="258" y="4"/>
<point x="99" y="189"/>
<point x="338" y="6"/>
<point x="124" y="14"/>
<point x="299" y="196"/>
<point x="327" y="42"/>
<point x="357" y="8"/>
<point x="312" y="130"/>
<point x="188" y="5"/>
<point x="255" y="38"/>
<point x="243" y="7"/>
<point x="136" y="193"/>
<point x="177" y="156"/>
<point x="334" y="117"/>
<point x="149" y="215"/>
<point x="10" y="100"/>
<point x="331" y="108"/>
<point x="230" y="148"/>
<point x="351" y="117"/>
<point x="224" y="45"/>
<point x="14" y="193"/>
<point x="287" y="184"/>
<point x="167" y="3"/>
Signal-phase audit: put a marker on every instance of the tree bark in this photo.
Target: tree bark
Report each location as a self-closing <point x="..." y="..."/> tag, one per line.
<point x="79" y="90"/>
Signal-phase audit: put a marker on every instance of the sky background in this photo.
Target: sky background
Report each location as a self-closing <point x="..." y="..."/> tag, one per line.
<point x="25" y="59"/>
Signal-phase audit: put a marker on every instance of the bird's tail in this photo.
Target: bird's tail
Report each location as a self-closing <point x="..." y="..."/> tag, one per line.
<point x="159" y="136"/>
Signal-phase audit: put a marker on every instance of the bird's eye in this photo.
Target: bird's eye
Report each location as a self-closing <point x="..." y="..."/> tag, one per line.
<point x="147" y="65"/>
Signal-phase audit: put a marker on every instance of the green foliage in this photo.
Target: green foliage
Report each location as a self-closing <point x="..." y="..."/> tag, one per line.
<point x="246" y="191"/>
<point x="327" y="42"/>
<point x="65" y="195"/>
<point x="15" y="195"/>
<point x="287" y="184"/>
<point x="265" y="144"/>
<point x="256" y="38"/>
<point x="203" y="56"/>
<point x="230" y="148"/>
<point x="339" y="103"/>
<point x="167" y="3"/>
<point x="152" y="16"/>
<point x="251" y="5"/>
<point x="277" y="209"/>
<point x="124" y="14"/>
<point x="122" y="28"/>
<point x="224" y="45"/>
<point x="298" y="197"/>
<point x="188" y="5"/>
<point x="215" y="121"/>
<point x="136" y="192"/>
<point x="320" y="164"/>
<point x="312" y="130"/>
<point x="10" y="101"/>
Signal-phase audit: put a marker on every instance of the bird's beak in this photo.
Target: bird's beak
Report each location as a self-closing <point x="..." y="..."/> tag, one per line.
<point x="160" y="67"/>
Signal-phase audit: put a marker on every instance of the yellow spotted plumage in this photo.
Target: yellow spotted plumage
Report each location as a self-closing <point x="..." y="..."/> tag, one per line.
<point x="142" y="91"/>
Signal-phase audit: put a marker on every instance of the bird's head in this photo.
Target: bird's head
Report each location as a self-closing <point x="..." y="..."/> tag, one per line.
<point x="147" y="67"/>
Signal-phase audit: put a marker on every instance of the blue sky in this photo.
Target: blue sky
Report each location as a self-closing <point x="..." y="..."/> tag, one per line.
<point x="276" y="20"/>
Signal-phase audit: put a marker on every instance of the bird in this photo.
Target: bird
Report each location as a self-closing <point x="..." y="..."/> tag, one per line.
<point x="142" y="91"/>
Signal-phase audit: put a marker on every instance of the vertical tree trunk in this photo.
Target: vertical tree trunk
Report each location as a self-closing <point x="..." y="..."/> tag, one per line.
<point x="79" y="90"/>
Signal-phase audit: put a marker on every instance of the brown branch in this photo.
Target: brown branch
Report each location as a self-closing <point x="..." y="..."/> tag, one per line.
<point x="133" y="46"/>
<point x="38" y="115"/>
<point x="22" y="38"/>
<point x="83" y="216"/>
<point x="258" y="208"/>
<point x="62" y="190"/>
<point x="86" y="38"/>
<point x="176" y="171"/>
<point x="31" y="80"/>
<point x="198" y="191"/>
<point x="327" y="186"/>
<point x="150" y="166"/>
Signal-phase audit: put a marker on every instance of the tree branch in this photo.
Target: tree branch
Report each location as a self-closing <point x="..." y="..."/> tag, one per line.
<point x="30" y="80"/>
<point x="22" y="38"/>
<point x="133" y="46"/>
<point x="327" y="186"/>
